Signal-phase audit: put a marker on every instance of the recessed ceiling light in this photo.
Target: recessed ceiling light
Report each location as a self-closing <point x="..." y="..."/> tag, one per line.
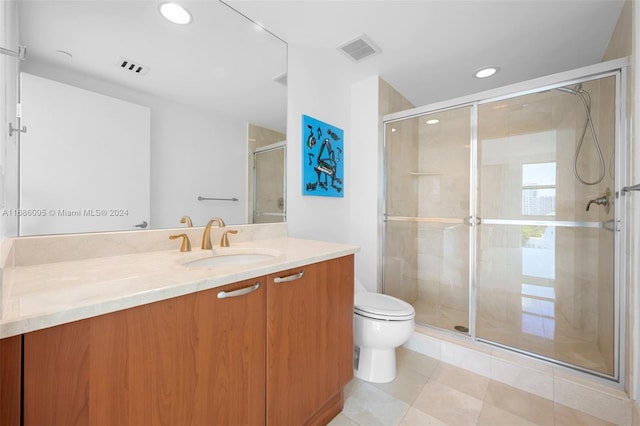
<point x="433" y="121"/>
<point x="486" y="72"/>
<point x="175" y="13"/>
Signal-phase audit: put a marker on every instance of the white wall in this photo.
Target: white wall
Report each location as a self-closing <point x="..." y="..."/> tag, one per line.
<point x="336" y="94"/>
<point x="316" y="89"/>
<point x="8" y="97"/>
<point x="193" y="153"/>
<point x="366" y="179"/>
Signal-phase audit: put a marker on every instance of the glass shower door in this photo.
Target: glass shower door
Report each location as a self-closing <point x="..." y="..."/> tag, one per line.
<point x="427" y="209"/>
<point x="269" y="184"/>
<point x="545" y="246"/>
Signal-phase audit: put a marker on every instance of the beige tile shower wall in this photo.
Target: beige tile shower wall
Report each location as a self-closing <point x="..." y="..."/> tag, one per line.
<point x="269" y="170"/>
<point x="443" y="266"/>
<point x="575" y="292"/>
<point x="443" y="192"/>
<point x="257" y="137"/>
<point x="401" y="254"/>
<point x="511" y="133"/>
<point x="542" y="127"/>
<point x="585" y="256"/>
<point x="390" y="100"/>
<point x="621" y="42"/>
<point x="605" y="297"/>
<point x="400" y="261"/>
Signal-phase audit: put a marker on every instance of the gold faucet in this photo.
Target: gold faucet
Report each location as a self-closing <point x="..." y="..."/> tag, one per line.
<point x="186" y="244"/>
<point x="224" y="241"/>
<point x="186" y="219"/>
<point x="206" y="235"/>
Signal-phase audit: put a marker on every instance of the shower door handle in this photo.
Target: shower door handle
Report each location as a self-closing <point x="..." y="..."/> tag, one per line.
<point x="635" y="187"/>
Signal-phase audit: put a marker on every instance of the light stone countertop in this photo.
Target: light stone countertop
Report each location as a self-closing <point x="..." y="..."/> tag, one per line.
<point x="50" y="294"/>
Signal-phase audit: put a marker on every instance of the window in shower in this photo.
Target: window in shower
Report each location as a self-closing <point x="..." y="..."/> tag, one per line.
<point x="539" y="189"/>
<point x="538" y="251"/>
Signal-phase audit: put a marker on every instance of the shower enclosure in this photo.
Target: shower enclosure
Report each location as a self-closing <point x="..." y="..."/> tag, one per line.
<point x="503" y="217"/>
<point x="269" y="183"/>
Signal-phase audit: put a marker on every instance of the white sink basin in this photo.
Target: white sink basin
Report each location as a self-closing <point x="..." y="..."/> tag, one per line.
<point x="228" y="258"/>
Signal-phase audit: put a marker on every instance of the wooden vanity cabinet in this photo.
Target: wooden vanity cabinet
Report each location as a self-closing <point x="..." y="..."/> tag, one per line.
<point x="191" y="360"/>
<point x="309" y="342"/>
<point x="10" y="373"/>
<point x="279" y="353"/>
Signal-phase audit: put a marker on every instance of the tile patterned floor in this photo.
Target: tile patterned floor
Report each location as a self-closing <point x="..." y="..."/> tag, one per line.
<point x="430" y="392"/>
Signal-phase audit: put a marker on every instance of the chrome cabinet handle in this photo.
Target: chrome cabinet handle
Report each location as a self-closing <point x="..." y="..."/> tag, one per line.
<point x="239" y="292"/>
<point x="289" y="278"/>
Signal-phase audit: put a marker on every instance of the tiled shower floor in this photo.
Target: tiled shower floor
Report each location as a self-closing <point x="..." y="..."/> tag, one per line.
<point x="567" y="346"/>
<point x="430" y="392"/>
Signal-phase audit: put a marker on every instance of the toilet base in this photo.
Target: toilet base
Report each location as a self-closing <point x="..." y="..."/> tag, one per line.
<point x="375" y="365"/>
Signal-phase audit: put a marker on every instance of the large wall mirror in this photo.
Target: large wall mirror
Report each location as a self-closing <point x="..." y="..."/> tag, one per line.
<point x="124" y="108"/>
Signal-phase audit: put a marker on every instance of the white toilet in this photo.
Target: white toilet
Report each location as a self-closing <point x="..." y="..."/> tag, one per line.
<point x="381" y="323"/>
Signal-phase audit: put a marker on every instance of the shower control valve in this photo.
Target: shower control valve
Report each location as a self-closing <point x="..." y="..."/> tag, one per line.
<point x="601" y="201"/>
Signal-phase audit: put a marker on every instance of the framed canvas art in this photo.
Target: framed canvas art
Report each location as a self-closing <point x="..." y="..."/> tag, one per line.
<point x="322" y="158"/>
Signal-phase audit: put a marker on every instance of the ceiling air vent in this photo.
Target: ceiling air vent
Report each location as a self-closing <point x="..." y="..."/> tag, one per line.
<point x="133" y="67"/>
<point x="359" y="48"/>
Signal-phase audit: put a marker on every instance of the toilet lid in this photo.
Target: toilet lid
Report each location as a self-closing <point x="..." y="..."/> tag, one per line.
<point x="381" y="306"/>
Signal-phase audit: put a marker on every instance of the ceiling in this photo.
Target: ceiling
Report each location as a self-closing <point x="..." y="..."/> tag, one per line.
<point x="431" y="48"/>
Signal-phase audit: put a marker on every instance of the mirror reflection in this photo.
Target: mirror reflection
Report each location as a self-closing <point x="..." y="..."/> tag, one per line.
<point x="133" y="119"/>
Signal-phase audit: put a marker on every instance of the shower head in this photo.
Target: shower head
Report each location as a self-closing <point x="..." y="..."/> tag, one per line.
<point x="573" y="90"/>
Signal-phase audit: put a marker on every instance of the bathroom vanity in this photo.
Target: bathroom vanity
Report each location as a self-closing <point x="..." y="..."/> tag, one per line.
<point x="269" y="342"/>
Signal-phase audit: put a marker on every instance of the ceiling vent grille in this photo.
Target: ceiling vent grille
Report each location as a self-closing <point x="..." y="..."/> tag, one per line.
<point x="133" y="67"/>
<point x="359" y="48"/>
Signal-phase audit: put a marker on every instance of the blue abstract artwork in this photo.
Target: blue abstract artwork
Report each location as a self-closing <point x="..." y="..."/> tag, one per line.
<point x="322" y="158"/>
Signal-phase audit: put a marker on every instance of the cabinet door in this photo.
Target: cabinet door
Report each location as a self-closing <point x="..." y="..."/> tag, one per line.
<point x="10" y="373"/>
<point x="309" y="342"/>
<point x="191" y="360"/>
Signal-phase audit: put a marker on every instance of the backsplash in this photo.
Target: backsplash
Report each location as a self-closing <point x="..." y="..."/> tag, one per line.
<point x="26" y="251"/>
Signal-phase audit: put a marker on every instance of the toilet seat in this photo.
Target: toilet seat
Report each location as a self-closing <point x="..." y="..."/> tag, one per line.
<point x="383" y="307"/>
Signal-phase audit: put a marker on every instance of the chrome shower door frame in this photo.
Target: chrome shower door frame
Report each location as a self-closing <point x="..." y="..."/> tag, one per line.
<point x="258" y="152"/>
<point x="617" y="68"/>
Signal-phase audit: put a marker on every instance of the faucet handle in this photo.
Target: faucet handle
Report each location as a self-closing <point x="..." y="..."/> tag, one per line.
<point x="186" y="219"/>
<point x="186" y="244"/>
<point x="224" y="241"/>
